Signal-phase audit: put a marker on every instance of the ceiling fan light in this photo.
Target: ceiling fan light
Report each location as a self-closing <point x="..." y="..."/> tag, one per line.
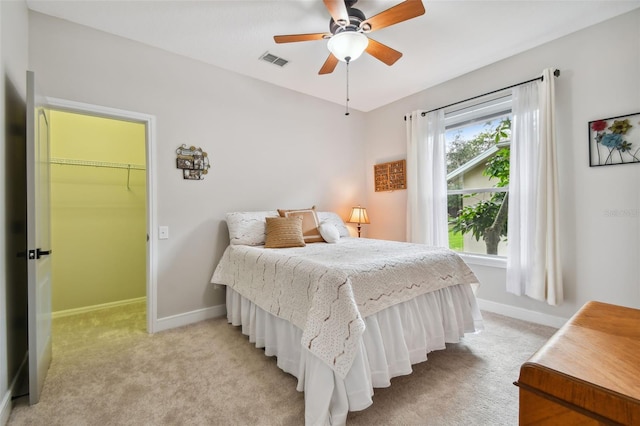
<point x="348" y="44"/>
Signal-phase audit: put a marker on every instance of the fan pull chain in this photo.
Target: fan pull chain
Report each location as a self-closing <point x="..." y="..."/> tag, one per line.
<point x="347" y="60"/>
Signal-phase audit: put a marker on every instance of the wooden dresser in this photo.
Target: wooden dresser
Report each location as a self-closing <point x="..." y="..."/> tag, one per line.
<point x="588" y="373"/>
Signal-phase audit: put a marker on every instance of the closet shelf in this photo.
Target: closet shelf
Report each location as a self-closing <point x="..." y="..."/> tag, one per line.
<point x="71" y="162"/>
<point x="86" y="163"/>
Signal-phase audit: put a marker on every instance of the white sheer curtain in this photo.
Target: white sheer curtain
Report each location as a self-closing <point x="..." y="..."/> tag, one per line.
<point x="426" y="179"/>
<point x="533" y="263"/>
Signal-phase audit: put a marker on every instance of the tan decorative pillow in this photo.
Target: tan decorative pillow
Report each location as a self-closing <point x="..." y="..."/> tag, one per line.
<point x="282" y="232"/>
<point x="309" y="223"/>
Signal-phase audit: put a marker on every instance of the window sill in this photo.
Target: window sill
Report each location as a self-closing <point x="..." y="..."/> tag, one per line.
<point x="479" y="259"/>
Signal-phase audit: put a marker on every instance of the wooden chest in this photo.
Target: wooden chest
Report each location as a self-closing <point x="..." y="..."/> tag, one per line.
<point x="588" y="373"/>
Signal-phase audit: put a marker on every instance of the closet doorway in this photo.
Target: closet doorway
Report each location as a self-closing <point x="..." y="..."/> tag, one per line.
<point x="98" y="214"/>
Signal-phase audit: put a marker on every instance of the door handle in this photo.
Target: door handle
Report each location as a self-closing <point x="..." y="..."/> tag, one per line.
<point x="37" y="253"/>
<point x="40" y="253"/>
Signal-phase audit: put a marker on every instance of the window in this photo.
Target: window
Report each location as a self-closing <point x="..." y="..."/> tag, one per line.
<point x="477" y="155"/>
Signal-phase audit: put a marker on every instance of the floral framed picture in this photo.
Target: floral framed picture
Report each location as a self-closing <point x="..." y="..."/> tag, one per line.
<point x="614" y="140"/>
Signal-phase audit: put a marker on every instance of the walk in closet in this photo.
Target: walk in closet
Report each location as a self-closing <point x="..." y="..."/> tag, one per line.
<point x="98" y="212"/>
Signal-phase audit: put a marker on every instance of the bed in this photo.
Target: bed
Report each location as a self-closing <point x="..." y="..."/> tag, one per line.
<point x="342" y="317"/>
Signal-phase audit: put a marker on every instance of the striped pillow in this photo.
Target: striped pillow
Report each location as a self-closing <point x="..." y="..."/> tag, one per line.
<point x="284" y="232"/>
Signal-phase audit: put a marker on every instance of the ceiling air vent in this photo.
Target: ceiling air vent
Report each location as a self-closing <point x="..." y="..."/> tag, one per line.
<point x="273" y="59"/>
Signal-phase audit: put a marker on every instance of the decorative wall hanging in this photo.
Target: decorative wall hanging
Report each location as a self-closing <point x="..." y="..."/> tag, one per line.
<point x="614" y="140"/>
<point x="390" y="176"/>
<point x="193" y="161"/>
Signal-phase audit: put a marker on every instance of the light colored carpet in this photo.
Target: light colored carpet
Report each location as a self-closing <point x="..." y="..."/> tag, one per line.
<point x="107" y="370"/>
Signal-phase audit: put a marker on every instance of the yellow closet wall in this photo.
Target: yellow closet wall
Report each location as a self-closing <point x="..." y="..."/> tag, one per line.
<point x="98" y="225"/>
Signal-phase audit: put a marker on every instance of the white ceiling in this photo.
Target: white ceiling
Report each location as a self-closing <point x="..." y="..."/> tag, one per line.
<point x="452" y="38"/>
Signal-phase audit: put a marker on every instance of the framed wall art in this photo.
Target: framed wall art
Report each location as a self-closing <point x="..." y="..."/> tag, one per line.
<point x="390" y="176"/>
<point x="614" y="140"/>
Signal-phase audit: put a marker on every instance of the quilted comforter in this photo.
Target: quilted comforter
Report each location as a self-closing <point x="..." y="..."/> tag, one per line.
<point x="327" y="289"/>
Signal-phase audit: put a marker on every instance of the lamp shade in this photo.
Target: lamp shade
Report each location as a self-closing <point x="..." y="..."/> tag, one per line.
<point x="359" y="215"/>
<point x="348" y="44"/>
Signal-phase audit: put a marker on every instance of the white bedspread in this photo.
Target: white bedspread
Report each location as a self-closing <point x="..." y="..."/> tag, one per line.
<point x="327" y="289"/>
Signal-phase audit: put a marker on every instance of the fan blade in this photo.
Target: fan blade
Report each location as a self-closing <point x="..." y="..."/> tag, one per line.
<point x="382" y="52"/>
<point x="329" y="65"/>
<point x="401" y="12"/>
<point x="338" y="11"/>
<point x="291" y="38"/>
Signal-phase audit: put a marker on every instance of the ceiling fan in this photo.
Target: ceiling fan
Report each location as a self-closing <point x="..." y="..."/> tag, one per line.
<point x="348" y="28"/>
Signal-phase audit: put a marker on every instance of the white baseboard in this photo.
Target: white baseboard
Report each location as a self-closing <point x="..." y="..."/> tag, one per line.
<point x="522" y="314"/>
<point x="5" y="405"/>
<point x="187" y="318"/>
<point x="5" y="408"/>
<point x="85" y="309"/>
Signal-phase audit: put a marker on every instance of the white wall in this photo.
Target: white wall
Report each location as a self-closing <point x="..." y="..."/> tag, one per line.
<point x="600" y="78"/>
<point x="13" y="62"/>
<point x="269" y="147"/>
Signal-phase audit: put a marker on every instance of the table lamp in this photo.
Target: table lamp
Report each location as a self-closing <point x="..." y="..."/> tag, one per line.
<point x="359" y="216"/>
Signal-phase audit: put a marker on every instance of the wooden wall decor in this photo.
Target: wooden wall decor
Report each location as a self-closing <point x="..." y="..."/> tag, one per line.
<point x="390" y="176"/>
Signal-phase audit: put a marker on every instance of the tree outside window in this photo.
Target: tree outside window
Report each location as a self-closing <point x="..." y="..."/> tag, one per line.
<point x="478" y="180"/>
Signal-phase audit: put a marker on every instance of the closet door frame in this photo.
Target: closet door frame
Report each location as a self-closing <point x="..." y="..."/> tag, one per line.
<point x="151" y="208"/>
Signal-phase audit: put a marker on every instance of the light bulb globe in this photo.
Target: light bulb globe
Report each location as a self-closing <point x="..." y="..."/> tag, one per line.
<point x="348" y="44"/>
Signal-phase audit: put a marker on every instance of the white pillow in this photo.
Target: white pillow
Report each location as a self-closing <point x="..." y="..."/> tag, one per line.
<point x="248" y="228"/>
<point x="329" y="232"/>
<point x="335" y="220"/>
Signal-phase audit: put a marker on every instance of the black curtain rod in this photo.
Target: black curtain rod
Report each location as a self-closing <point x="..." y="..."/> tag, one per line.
<point x="541" y="78"/>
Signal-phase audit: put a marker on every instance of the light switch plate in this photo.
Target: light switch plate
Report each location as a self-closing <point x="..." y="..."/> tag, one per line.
<point x="163" y="232"/>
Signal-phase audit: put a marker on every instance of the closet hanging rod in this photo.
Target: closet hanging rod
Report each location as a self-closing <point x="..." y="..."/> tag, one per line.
<point x="70" y="162"/>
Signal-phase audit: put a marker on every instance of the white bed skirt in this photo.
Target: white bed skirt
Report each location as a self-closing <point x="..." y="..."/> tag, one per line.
<point x="394" y="339"/>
